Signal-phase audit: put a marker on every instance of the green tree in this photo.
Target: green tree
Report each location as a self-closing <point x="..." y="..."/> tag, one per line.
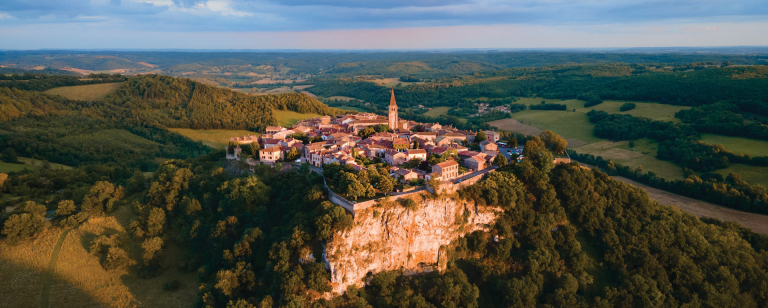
<point x="292" y="154"/>
<point x="155" y="221"/>
<point x="102" y="197"/>
<point x="480" y="137"/>
<point x="500" y="160"/>
<point x="366" y="132"/>
<point x="512" y="142"/>
<point x="136" y="183"/>
<point x="65" y="207"/>
<point x="554" y="141"/>
<point x="9" y="156"/>
<point x="29" y="224"/>
<point x="151" y="247"/>
<point x="385" y="184"/>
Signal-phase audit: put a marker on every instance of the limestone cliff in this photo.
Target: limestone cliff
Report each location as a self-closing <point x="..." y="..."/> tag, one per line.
<point x="391" y="237"/>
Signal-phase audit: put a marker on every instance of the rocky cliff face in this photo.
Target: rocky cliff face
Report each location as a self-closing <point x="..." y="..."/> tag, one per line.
<point x="391" y="237"/>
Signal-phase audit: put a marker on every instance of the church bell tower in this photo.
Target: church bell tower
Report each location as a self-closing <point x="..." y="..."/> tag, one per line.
<point x="393" y="118"/>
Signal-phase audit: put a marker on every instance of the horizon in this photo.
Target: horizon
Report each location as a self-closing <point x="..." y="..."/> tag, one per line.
<point x="381" y="25"/>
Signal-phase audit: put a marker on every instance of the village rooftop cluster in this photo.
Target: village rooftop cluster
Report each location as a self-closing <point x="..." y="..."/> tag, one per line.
<point x="397" y="142"/>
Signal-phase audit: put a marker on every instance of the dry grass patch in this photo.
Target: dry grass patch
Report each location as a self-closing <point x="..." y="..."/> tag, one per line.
<point x="89" y="92"/>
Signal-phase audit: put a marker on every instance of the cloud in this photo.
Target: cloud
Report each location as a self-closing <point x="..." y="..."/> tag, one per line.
<point x="248" y="16"/>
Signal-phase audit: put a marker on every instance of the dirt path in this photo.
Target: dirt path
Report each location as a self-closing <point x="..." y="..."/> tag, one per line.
<point x="45" y="296"/>
<point x="758" y="223"/>
<point x="516" y="126"/>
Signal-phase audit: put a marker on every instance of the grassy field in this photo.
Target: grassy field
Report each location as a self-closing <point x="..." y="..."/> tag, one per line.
<point x="753" y="175"/>
<point x="351" y="108"/>
<point x="29" y="163"/>
<point x="738" y="145"/>
<point x="391" y="82"/>
<point x="437" y="111"/>
<point x="643" y="154"/>
<point x="78" y="279"/>
<point x="566" y="123"/>
<point x="86" y="92"/>
<point x="215" y="138"/>
<point x="286" y="118"/>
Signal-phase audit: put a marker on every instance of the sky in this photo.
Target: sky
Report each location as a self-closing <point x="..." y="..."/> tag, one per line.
<point x="381" y="24"/>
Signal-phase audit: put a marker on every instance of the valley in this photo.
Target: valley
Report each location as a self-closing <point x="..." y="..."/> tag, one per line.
<point x="136" y="190"/>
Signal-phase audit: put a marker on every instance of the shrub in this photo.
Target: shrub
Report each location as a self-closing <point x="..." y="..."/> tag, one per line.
<point x="627" y="107"/>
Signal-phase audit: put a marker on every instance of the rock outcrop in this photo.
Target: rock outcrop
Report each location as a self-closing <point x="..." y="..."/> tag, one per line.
<point x="391" y="237"/>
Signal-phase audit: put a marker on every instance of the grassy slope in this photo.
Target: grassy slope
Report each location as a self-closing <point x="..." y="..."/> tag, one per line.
<point x="286" y="118"/>
<point x="80" y="281"/>
<point x="437" y="111"/>
<point x="738" y="145"/>
<point x="28" y="163"/>
<point x="215" y="138"/>
<point x="85" y="92"/>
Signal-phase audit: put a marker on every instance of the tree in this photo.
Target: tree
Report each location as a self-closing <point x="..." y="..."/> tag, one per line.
<point x="512" y="142"/>
<point x="554" y="141"/>
<point x="355" y="189"/>
<point x="434" y="184"/>
<point x="151" y="247"/>
<point x="293" y="154"/>
<point x="9" y="156"/>
<point x="155" y="221"/>
<point x="631" y="144"/>
<point x="31" y="223"/>
<point x="65" y="208"/>
<point x="136" y="183"/>
<point x="102" y="197"/>
<point x="366" y="132"/>
<point x="500" y="160"/>
<point x="385" y="184"/>
<point x="536" y="152"/>
<point x="480" y="137"/>
<point x="3" y="177"/>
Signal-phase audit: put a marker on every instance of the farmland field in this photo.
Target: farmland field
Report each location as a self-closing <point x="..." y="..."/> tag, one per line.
<point x="751" y="174"/>
<point x="437" y="111"/>
<point x="286" y="118"/>
<point x="215" y="138"/>
<point x="738" y="145"/>
<point x="643" y="154"/>
<point x="566" y="123"/>
<point x="342" y="98"/>
<point x="85" y="92"/>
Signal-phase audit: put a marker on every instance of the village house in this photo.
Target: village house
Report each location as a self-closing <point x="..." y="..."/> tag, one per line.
<point x="404" y="174"/>
<point x="489" y="148"/>
<point x="416" y="153"/>
<point x="271" y="155"/>
<point x="274" y="129"/>
<point x="492" y="135"/>
<point x="395" y="158"/>
<point x="473" y="160"/>
<point x="447" y="170"/>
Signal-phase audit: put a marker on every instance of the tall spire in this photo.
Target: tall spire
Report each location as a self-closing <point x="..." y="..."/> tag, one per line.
<point x="392" y="98"/>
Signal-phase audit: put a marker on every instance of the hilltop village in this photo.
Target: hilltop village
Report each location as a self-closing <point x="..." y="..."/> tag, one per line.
<point x="415" y="152"/>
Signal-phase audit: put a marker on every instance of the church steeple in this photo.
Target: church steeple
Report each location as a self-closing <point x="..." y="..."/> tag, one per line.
<point x="394" y="120"/>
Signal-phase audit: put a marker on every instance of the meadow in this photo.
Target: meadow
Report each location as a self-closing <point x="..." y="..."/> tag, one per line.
<point x="437" y="111"/>
<point x="751" y="174"/>
<point x="642" y="154"/>
<point x="738" y="145"/>
<point x="287" y="118"/>
<point x="59" y="264"/>
<point x="215" y="138"/>
<point x="29" y="163"/>
<point x="89" y="92"/>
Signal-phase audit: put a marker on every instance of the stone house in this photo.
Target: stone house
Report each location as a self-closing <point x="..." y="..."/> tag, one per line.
<point x="416" y="153"/>
<point x="492" y="135"/>
<point x="395" y="158"/>
<point x="448" y="170"/>
<point x="271" y="155"/>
